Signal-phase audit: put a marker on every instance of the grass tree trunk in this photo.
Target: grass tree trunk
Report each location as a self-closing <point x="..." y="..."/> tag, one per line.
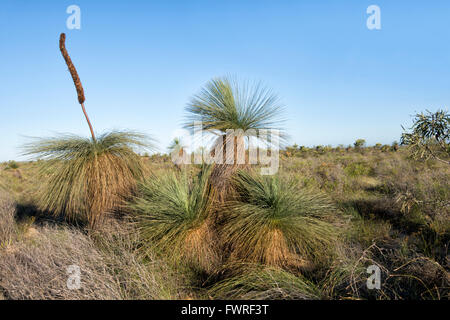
<point x="231" y="161"/>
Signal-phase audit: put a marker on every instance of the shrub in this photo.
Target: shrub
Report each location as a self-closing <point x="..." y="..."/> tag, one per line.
<point x="360" y="143"/>
<point x="265" y="283"/>
<point x="385" y="148"/>
<point x="86" y="179"/>
<point x="173" y="214"/>
<point x="394" y="146"/>
<point x="358" y="169"/>
<point x="429" y="136"/>
<point x="272" y="222"/>
<point x="12" y="165"/>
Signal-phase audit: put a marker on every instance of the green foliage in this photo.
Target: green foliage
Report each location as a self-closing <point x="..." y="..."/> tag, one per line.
<point x="263" y="284"/>
<point x="273" y="222"/>
<point x="397" y="218"/>
<point x="284" y="235"/>
<point x="320" y="149"/>
<point x="177" y="152"/>
<point x="360" y="143"/>
<point x="358" y="169"/>
<point x="173" y="213"/>
<point x="429" y="136"/>
<point x="176" y="146"/>
<point x="225" y="104"/>
<point x="12" y="165"/>
<point x="86" y="179"/>
<point x="366" y="230"/>
<point x="296" y="151"/>
<point x="394" y="146"/>
<point x="385" y="148"/>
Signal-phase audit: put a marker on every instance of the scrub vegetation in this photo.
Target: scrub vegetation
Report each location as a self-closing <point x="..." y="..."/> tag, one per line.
<point x="140" y="227"/>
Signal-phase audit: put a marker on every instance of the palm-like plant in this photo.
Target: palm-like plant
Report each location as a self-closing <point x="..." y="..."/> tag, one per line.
<point x="86" y="179"/>
<point x="273" y="222"/>
<point x="176" y="145"/>
<point x="173" y="215"/>
<point x="429" y="136"/>
<point x="225" y="104"/>
<point x="177" y="150"/>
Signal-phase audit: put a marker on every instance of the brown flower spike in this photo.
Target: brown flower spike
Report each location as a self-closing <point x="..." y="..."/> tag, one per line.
<point x="76" y="79"/>
<point x="73" y="71"/>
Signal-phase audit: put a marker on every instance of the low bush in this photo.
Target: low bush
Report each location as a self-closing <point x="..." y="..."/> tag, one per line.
<point x="265" y="283"/>
<point x="272" y="222"/>
<point x="173" y="215"/>
<point x="86" y="179"/>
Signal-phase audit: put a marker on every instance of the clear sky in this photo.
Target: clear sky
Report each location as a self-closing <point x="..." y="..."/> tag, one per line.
<point x="140" y="61"/>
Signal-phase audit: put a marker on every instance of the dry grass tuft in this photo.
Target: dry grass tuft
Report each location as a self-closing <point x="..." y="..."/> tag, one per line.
<point x="111" y="268"/>
<point x="7" y="223"/>
<point x="141" y="276"/>
<point x="37" y="268"/>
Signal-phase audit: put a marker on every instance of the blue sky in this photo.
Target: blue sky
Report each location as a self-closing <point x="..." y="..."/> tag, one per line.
<point x="141" y="61"/>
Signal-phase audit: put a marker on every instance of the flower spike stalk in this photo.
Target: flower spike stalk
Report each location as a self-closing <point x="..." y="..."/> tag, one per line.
<point x="76" y="79"/>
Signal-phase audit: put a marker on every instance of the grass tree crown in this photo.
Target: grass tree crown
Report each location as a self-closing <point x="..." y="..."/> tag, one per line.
<point x="224" y="103"/>
<point x="87" y="179"/>
<point x="429" y="136"/>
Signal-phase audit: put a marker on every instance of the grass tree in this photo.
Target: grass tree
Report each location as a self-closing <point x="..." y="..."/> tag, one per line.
<point x="273" y="222"/>
<point x="178" y="152"/>
<point x="87" y="177"/>
<point x="359" y="143"/>
<point x="223" y="105"/>
<point x="173" y="214"/>
<point x="429" y="136"/>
